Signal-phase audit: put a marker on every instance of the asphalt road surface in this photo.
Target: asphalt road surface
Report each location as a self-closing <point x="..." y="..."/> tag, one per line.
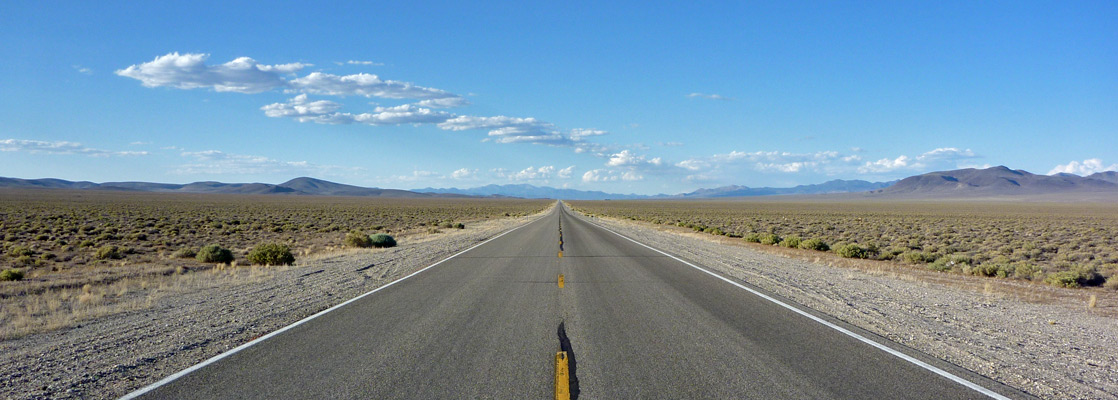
<point x="636" y="324"/>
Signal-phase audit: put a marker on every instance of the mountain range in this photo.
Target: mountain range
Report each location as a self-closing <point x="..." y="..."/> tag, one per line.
<point x="962" y="183"/>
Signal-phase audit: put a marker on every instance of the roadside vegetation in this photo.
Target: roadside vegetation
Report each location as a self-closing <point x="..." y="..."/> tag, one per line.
<point x="1064" y="245"/>
<point x="71" y="255"/>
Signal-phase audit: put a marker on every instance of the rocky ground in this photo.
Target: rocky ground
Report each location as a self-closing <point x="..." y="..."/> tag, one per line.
<point x="1041" y="340"/>
<point x="214" y="311"/>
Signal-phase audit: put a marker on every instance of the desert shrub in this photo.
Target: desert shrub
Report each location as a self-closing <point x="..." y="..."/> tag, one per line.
<point x="214" y="254"/>
<point x="11" y="274"/>
<point x="791" y="242"/>
<point x="770" y="239"/>
<point x="271" y="254"/>
<point x="753" y="237"/>
<point x="19" y="251"/>
<point x="1111" y="283"/>
<point x="185" y="253"/>
<point x="357" y="239"/>
<point x="459" y="226"/>
<point x="86" y="243"/>
<point x="1023" y="270"/>
<point x="917" y="257"/>
<point x="1068" y="279"/>
<point x="382" y="240"/>
<point x="714" y="231"/>
<point x="109" y="253"/>
<point x="814" y="244"/>
<point x="851" y="250"/>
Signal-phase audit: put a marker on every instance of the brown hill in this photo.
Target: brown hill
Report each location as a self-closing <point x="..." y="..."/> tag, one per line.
<point x="995" y="181"/>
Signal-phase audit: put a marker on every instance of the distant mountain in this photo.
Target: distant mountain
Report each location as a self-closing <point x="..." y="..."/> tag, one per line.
<point x="995" y="181"/>
<point x="297" y="186"/>
<point x="834" y="186"/>
<point x="1109" y="176"/>
<point x="532" y="192"/>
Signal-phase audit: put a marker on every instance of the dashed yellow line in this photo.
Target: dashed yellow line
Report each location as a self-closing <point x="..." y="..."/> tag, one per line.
<point x="562" y="377"/>
<point x="560" y="254"/>
<point x="560" y="281"/>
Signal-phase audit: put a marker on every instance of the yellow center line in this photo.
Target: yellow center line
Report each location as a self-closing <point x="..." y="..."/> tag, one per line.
<point x="562" y="379"/>
<point x="560" y="281"/>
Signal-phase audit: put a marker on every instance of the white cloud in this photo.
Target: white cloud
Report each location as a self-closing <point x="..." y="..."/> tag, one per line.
<point x="709" y="96"/>
<point x="463" y="173"/>
<point x="60" y="147"/>
<point x="605" y="175"/>
<point x="417" y="175"/>
<point x="445" y="102"/>
<point x="946" y="153"/>
<point x="566" y="172"/>
<point x="1087" y="167"/>
<point x="326" y="112"/>
<point x="367" y="85"/>
<point x="628" y="159"/>
<point x="885" y="165"/>
<point x="370" y="63"/>
<point x="215" y="162"/>
<point x="531" y="174"/>
<point x="189" y="71"/>
<point x="772" y="161"/>
<point x="83" y="70"/>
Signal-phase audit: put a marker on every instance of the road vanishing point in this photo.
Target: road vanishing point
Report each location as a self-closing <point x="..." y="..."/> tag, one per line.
<point x="629" y="322"/>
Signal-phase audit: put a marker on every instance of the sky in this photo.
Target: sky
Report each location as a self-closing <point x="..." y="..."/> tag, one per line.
<point x="623" y="97"/>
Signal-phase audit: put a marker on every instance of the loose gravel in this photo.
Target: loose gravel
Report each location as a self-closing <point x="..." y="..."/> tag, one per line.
<point x="1051" y="349"/>
<point x="111" y="356"/>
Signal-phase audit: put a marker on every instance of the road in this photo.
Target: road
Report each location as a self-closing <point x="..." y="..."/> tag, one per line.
<point x="636" y="324"/>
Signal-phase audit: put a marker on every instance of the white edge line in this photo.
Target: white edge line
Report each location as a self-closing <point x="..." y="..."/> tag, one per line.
<point x="973" y="386"/>
<point x="218" y="357"/>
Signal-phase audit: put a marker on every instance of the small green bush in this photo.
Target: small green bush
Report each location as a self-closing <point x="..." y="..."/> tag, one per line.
<point x="1111" y="283"/>
<point x="851" y="250"/>
<point x="11" y="274"/>
<point x="19" y="251"/>
<point x="814" y="244"/>
<point x="109" y="253"/>
<point x="459" y="226"/>
<point x="271" y="254"/>
<point x="357" y="239"/>
<point x="214" y="254"/>
<point x="382" y="240"/>
<point x="185" y="253"/>
<point x="753" y="237"/>
<point x="770" y="239"/>
<point x="1069" y="279"/>
<point x="791" y="242"/>
<point x="917" y="257"/>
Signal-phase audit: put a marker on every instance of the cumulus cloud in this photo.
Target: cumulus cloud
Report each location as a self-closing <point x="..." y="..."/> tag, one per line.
<point x="945" y="157"/>
<point x="216" y="162"/>
<point x="566" y="172"/>
<point x="1087" y="167"/>
<point x="367" y="85"/>
<point x="189" y="71"/>
<point x="885" y="165"/>
<point x="326" y="112"/>
<point x="709" y="96"/>
<point x="60" y="147"/>
<point x="605" y="175"/>
<point x="779" y="161"/>
<point x="627" y="158"/>
<point x="527" y="174"/>
<point x="463" y="173"/>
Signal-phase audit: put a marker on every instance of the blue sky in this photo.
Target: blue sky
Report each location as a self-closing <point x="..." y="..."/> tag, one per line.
<point x="622" y="97"/>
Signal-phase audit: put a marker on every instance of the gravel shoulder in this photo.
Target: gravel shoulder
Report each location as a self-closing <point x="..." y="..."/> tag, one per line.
<point x="216" y="311"/>
<point x="1043" y="341"/>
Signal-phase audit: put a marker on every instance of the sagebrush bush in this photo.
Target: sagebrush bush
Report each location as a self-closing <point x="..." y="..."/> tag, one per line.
<point x="185" y="253"/>
<point x="19" y="251"/>
<point x="11" y="274"/>
<point x="851" y="250"/>
<point x="770" y="239"/>
<point x="917" y="257"/>
<point x="109" y="253"/>
<point x="214" y="254"/>
<point x="1111" y="283"/>
<point x="814" y="244"/>
<point x="791" y="242"/>
<point x="271" y="254"/>
<point x="357" y="239"/>
<point x="1069" y="279"/>
<point x="382" y="240"/>
<point x="753" y="237"/>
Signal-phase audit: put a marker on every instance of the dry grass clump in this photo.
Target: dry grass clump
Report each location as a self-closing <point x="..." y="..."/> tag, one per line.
<point x="1064" y="245"/>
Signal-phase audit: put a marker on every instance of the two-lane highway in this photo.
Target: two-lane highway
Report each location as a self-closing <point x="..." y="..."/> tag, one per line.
<point x="636" y="324"/>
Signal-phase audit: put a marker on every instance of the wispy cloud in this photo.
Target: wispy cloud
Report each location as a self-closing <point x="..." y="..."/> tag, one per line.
<point x="326" y="112"/>
<point x="83" y="70"/>
<point x="60" y="147"/>
<point x="1087" y="167"/>
<point x="463" y="173"/>
<point x="709" y="96"/>
<point x="941" y="157"/>
<point x="368" y="63"/>
<point x="215" y="162"/>
<point x="606" y="175"/>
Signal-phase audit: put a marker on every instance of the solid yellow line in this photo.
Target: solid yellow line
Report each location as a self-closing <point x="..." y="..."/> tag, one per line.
<point x="562" y="379"/>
